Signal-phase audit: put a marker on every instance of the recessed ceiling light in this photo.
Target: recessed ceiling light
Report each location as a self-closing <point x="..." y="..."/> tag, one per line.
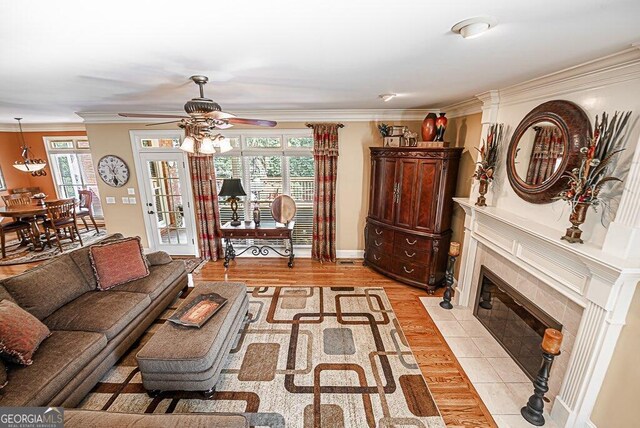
<point x="387" y="97"/>
<point x="474" y="27"/>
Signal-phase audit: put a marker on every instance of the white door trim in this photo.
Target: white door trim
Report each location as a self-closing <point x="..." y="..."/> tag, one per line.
<point x="138" y="150"/>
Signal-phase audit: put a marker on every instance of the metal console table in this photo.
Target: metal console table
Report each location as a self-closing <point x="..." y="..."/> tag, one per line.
<point x="266" y="230"/>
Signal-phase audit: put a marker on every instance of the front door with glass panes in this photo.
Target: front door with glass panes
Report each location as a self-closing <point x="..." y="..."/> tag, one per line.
<point x="167" y="203"/>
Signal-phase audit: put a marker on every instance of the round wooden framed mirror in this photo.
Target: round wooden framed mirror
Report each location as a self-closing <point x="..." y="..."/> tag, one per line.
<point x="544" y="145"/>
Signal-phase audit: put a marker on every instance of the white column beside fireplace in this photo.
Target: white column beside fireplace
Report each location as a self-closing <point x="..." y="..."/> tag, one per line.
<point x="599" y="282"/>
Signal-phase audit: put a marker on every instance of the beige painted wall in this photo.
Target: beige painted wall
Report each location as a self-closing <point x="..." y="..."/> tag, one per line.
<point x="616" y="404"/>
<point x="352" y="189"/>
<point x="463" y="131"/>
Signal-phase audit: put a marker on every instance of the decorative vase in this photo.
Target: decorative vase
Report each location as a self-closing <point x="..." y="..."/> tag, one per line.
<point x="577" y="217"/>
<point x="441" y="126"/>
<point x="482" y="201"/>
<point x="429" y="127"/>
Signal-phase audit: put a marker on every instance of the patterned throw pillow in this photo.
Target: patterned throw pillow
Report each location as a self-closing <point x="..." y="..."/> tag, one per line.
<point x="20" y="333"/>
<point x="119" y="262"/>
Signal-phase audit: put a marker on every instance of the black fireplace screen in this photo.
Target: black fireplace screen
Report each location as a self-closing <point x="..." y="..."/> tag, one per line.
<point x="516" y="323"/>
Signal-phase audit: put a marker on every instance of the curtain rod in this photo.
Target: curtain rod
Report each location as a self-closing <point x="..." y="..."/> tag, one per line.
<point x="310" y="125"/>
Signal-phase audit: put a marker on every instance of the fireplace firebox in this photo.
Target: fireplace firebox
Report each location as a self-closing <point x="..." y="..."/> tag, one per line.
<point x="516" y="322"/>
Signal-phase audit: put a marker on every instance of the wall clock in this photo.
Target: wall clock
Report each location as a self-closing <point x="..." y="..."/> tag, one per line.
<point x="113" y="171"/>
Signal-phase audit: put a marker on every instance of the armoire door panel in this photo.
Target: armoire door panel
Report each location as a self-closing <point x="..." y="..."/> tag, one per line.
<point x="387" y="193"/>
<point x="406" y="177"/>
<point x="377" y="179"/>
<point x="427" y="199"/>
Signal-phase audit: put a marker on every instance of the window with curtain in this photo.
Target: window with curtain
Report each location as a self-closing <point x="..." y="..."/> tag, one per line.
<point x="271" y="163"/>
<point x="72" y="168"/>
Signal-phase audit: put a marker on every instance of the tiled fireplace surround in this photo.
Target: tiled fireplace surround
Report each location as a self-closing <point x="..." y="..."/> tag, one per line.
<point x="567" y="312"/>
<point x="586" y="289"/>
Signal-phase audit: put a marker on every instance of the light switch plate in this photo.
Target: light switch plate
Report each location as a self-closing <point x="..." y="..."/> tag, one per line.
<point x="131" y="191"/>
<point x="110" y="200"/>
<point x="132" y="201"/>
<point x="125" y="200"/>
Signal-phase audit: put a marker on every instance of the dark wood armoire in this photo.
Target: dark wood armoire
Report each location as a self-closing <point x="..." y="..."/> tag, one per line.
<point x="410" y="206"/>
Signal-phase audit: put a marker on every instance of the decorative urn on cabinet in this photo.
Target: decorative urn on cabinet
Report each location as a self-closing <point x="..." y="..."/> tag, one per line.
<point x="429" y="127"/>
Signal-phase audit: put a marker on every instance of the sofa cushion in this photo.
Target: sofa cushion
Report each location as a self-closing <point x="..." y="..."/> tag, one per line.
<point x="101" y="312"/>
<point x="83" y="261"/>
<point x="159" y="279"/>
<point x="96" y="419"/>
<point x="3" y="374"/>
<point x="20" y="333"/>
<point x="57" y="361"/>
<point x="158" y="258"/>
<point x="45" y="288"/>
<point x="4" y="294"/>
<point x="119" y="262"/>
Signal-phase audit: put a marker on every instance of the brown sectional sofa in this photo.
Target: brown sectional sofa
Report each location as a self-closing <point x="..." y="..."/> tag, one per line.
<point x="91" y="329"/>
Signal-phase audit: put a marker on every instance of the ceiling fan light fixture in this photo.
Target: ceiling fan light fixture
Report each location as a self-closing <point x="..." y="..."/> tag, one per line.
<point x="188" y="145"/>
<point x="206" y="147"/>
<point x="225" y="145"/>
<point x="474" y="27"/>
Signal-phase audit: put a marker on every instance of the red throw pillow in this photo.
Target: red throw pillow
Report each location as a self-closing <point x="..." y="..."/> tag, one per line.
<point x="119" y="262"/>
<point x="20" y="333"/>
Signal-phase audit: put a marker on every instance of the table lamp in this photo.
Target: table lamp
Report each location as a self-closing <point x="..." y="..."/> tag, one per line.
<point x="232" y="189"/>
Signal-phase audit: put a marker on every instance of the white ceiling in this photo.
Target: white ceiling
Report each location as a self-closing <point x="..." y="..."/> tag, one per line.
<point x="60" y="57"/>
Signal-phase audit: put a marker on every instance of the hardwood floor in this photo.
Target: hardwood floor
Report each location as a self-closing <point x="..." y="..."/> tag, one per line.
<point x="455" y="396"/>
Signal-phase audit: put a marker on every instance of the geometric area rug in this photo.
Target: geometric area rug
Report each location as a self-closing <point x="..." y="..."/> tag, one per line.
<point x="306" y="357"/>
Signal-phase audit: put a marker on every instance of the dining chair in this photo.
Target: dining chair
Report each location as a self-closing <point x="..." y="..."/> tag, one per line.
<point x="85" y="208"/>
<point x="61" y="220"/>
<point x="17" y="199"/>
<point x="18" y="190"/>
<point x="20" y="227"/>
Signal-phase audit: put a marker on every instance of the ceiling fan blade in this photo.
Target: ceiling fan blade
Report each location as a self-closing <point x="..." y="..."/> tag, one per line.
<point x="219" y="115"/>
<point x="257" y="122"/>
<point x="163" y="123"/>
<point x="153" y="116"/>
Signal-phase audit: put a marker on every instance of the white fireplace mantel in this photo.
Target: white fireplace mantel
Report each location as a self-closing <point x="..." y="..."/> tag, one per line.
<point x="598" y="281"/>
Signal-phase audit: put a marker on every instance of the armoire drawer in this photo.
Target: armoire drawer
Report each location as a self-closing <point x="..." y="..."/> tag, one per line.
<point x="378" y="258"/>
<point x="381" y="242"/>
<point x="380" y="232"/>
<point x="410" y="255"/>
<point x="412" y="271"/>
<point x="411" y="242"/>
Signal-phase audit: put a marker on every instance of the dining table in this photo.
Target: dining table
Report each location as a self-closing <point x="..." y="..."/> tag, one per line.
<point x="30" y="213"/>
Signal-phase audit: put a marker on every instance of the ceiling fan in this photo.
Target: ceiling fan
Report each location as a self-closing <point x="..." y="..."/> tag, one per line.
<point x="204" y="117"/>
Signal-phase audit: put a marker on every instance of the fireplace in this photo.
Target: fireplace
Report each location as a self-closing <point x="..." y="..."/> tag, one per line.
<point x="516" y="322"/>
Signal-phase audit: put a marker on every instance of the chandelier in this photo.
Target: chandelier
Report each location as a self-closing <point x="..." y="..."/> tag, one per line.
<point x="30" y="165"/>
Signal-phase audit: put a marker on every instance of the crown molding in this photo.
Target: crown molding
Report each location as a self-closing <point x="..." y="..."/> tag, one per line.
<point x="43" y="127"/>
<point x="463" y="108"/>
<point x="346" y="115"/>
<point x="620" y="67"/>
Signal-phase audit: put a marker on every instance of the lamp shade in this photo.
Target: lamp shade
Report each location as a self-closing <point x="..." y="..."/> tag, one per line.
<point x="232" y="187"/>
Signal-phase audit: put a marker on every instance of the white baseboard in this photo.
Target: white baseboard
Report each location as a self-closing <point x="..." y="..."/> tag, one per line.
<point x="350" y="254"/>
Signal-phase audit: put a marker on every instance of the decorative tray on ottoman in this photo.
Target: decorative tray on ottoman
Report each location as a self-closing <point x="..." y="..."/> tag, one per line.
<point x="199" y="310"/>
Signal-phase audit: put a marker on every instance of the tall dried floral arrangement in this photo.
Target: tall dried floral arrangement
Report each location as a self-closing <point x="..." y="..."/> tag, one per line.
<point x="486" y="166"/>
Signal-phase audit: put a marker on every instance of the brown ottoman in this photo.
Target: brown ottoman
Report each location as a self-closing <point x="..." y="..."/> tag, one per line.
<point x="179" y="358"/>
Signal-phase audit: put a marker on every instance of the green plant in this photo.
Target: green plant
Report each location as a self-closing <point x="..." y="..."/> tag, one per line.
<point x="485" y="170"/>
<point x="585" y="182"/>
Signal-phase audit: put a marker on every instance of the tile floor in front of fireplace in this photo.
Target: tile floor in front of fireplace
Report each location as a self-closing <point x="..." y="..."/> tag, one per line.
<point x="501" y="383"/>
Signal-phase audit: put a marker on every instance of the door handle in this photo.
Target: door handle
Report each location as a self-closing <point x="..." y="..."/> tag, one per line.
<point x="406" y="270"/>
<point x="376" y="243"/>
<point x="409" y="255"/>
<point x="150" y="212"/>
<point x="376" y="258"/>
<point x="410" y="243"/>
<point x="379" y="232"/>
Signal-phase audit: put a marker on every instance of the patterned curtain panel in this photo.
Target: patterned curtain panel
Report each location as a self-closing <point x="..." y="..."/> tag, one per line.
<point x="547" y="149"/>
<point x="325" y="155"/>
<point x="203" y="180"/>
